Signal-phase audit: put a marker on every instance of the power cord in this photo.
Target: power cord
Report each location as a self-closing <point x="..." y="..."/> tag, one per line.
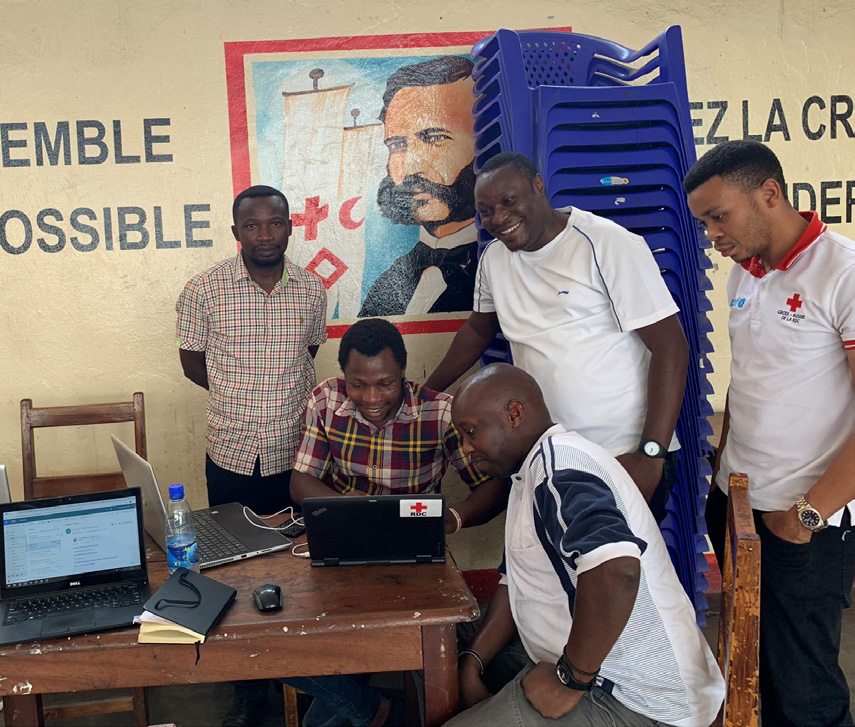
<point x="302" y="553"/>
<point x="278" y="528"/>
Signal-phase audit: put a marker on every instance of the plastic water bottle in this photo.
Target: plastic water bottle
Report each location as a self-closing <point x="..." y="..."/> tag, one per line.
<point x="180" y="533"/>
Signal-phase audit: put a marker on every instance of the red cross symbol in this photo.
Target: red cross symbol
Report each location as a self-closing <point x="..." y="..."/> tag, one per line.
<point x="311" y="217"/>
<point x="795" y="302"/>
<point x="419" y="507"/>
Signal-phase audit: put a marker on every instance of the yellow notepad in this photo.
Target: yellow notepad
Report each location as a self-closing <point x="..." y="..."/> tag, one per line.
<point x="155" y="629"/>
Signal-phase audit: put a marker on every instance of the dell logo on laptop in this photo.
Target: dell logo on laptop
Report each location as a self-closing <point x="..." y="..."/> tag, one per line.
<point x="74" y="583"/>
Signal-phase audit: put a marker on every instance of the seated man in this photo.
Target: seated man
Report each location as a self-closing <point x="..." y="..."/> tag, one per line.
<point x="374" y="432"/>
<point x="587" y="583"/>
<point x="360" y="432"/>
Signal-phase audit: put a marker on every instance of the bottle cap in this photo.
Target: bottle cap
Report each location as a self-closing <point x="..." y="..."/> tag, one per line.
<point x="176" y="492"/>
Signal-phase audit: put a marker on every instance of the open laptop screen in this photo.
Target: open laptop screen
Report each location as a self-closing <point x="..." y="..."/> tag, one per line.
<point x="72" y="540"/>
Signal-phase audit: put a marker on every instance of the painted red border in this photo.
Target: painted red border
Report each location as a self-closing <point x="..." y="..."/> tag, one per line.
<point x="448" y="325"/>
<point x="239" y="130"/>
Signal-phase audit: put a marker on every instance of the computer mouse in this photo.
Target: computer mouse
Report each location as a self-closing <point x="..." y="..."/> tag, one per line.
<point x="268" y="597"/>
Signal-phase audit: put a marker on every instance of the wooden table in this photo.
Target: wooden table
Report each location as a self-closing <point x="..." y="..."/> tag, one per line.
<point x="335" y="620"/>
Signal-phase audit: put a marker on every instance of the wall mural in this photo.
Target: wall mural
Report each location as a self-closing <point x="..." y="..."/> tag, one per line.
<point x="370" y="138"/>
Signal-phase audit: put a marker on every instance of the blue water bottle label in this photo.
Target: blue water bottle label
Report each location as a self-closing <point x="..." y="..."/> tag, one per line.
<point x="182" y="555"/>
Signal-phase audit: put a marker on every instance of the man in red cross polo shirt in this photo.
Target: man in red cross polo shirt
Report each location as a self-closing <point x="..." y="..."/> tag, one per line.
<point x="789" y="421"/>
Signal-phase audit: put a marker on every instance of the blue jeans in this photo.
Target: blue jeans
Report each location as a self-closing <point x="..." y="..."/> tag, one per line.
<point x="339" y="699"/>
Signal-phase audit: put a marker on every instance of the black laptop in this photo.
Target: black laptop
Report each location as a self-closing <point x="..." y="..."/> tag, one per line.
<point x="71" y="565"/>
<point x="375" y="530"/>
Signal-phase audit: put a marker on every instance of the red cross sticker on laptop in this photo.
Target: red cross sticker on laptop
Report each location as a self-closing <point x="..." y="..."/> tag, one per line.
<point x="413" y="507"/>
<point x="795" y="302"/>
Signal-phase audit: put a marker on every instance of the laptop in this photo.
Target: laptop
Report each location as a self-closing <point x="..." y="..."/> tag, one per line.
<point x="378" y="530"/>
<point x="223" y="533"/>
<point x="71" y="565"/>
<point x="5" y="494"/>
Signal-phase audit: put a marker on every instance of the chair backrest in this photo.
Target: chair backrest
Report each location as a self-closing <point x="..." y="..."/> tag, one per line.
<point x="739" y="627"/>
<point x="72" y="416"/>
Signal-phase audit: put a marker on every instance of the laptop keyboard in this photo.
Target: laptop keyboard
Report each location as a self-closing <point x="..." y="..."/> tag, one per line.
<point x="213" y="540"/>
<point x="25" y="609"/>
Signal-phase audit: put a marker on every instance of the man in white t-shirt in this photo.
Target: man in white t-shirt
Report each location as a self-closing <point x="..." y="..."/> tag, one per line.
<point x="587" y="313"/>
<point x="789" y="421"/>
<point x="587" y="580"/>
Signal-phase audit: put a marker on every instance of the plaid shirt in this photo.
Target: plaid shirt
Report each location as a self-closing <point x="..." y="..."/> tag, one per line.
<point x="407" y="455"/>
<point x="260" y="372"/>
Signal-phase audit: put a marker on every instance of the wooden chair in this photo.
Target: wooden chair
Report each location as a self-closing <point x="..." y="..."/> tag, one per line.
<point x="739" y="624"/>
<point x="36" y="487"/>
<point x="72" y="416"/>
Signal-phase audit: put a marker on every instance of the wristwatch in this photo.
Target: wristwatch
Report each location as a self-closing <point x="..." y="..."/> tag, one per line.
<point x="651" y="448"/>
<point x="809" y="516"/>
<point x="565" y="676"/>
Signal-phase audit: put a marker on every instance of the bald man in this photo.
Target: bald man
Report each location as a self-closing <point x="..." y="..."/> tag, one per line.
<point x="587" y="582"/>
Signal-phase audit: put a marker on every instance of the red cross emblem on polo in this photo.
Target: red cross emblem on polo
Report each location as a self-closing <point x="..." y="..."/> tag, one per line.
<point x="795" y="302"/>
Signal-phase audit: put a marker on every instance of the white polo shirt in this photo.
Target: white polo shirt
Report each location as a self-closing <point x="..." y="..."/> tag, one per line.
<point x="792" y="399"/>
<point x="569" y="311"/>
<point x="572" y="507"/>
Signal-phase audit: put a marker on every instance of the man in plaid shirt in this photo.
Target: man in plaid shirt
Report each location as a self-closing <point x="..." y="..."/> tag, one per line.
<point x="248" y="331"/>
<point x="374" y="432"/>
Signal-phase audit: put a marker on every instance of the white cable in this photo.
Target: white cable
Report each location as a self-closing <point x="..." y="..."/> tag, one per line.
<point x="294" y="519"/>
<point x="301" y="554"/>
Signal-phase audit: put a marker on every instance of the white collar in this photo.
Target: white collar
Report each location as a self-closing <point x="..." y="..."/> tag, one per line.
<point x="554" y="429"/>
<point x="463" y="236"/>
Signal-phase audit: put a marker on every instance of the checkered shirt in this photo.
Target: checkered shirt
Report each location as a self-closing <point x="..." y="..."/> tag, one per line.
<point x="407" y="455"/>
<point x="260" y="372"/>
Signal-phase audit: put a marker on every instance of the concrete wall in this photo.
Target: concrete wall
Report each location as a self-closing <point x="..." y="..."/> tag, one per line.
<point x="96" y="326"/>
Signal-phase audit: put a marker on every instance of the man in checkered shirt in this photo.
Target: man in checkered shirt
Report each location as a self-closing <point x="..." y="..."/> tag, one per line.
<point x="374" y="432"/>
<point x="248" y="331"/>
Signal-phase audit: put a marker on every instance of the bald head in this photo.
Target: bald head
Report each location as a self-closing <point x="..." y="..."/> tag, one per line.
<point x="500" y="413"/>
<point x="495" y="385"/>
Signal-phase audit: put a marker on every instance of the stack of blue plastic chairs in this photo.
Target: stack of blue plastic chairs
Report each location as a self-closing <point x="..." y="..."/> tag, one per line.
<point x="609" y="128"/>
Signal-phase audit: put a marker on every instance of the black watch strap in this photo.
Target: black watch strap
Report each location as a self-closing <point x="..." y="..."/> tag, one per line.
<point x="651" y="448"/>
<point x="564" y="669"/>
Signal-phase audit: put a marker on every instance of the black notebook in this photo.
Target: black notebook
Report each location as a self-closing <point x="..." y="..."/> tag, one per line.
<point x="193" y="603"/>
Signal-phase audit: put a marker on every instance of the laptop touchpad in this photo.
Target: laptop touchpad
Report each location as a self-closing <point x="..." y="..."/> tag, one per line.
<point x="62" y="624"/>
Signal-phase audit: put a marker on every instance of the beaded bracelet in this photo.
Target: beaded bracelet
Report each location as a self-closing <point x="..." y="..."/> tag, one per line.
<point x="457" y="518"/>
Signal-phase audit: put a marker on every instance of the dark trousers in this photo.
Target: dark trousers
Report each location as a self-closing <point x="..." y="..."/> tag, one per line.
<point x="803" y="591"/>
<point x="264" y="495"/>
<point x="663" y="489"/>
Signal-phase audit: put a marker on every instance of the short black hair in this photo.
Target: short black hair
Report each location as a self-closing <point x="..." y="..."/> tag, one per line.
<point x="258" y="190"/>
<point x="371" y="336"/>
<point x="435" y="72"/>
<point x="744" y="164"/>
<point x="511" y="159"/>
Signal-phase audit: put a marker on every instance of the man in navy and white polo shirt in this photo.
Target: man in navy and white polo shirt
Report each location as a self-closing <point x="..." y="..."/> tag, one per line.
<point x="789" y="421"/>
<point x="584" y="307"/>
<point x="588" y="583"/>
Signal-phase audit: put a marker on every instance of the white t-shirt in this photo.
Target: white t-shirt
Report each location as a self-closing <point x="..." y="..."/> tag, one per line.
<point x="791" y="400"/>
<point x="572" y="507"/>
<point x="569" y="311"/>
